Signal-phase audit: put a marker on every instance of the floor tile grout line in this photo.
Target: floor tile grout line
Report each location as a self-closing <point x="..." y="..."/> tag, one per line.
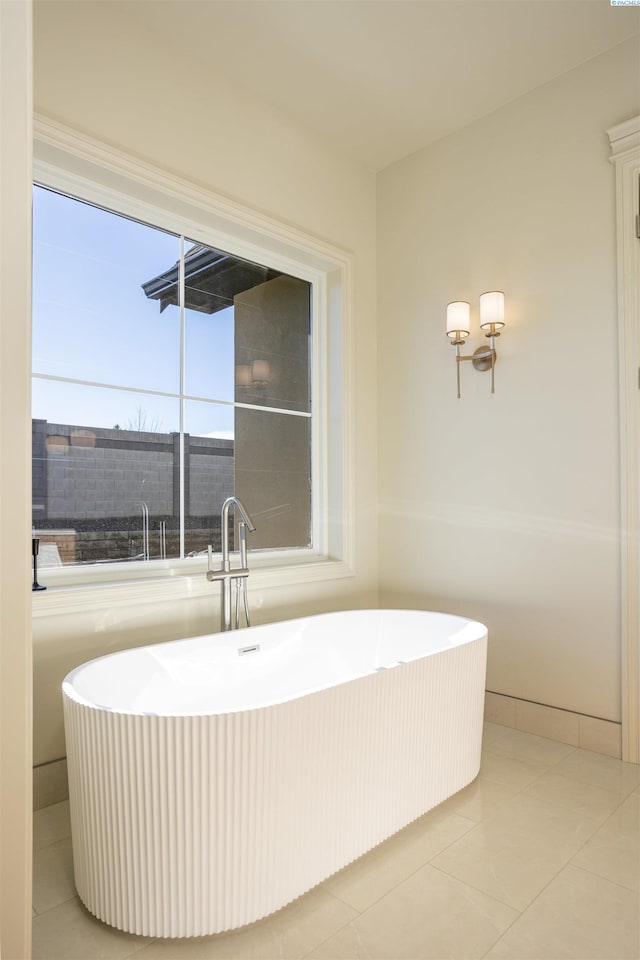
<point x="550" y="769"/>
<point x="565" y="807"/>
<point x="544" y="767"/>
<point x="326" y="940"/>
<point x="360" y="913"/>
<point x="44" y="913"/>
<point x="548" y="804"/>
<point x="520" y="789"/>
<point x="491" y="896"/>
<point x="511" y="906"/>
<point x="501" y="783"/>
<point x="592" y="873"/>
<point x="589" y="839"/>
<point x="522" y="912"/>
<point x="539" y="894"/>
<point x="410" y="875"/>
<point x="587" y="783"/>
<point x="566" y="863"/>
<point x="53" y="843"/>
<point x="504" y="933"/>
<point x="529" y="761"/>
<point x="144" y="946"/>
<point x="529" y="733"/>
<point x="332" y="934"/>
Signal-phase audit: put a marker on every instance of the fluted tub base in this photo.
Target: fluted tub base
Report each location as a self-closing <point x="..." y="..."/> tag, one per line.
<point x="186" y="825"/>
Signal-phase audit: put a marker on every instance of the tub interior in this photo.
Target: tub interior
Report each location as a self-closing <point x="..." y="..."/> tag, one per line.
<point x="264" y="665"/>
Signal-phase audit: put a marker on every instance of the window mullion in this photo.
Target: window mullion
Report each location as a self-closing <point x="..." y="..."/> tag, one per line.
<point x="182" y="395"/>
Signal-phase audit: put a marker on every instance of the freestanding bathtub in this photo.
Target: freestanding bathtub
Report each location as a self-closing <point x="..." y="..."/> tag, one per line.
<point x="215" y="779"/>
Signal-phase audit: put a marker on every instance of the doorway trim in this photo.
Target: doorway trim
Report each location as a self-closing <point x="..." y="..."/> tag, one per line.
<point x="624" y="141"/>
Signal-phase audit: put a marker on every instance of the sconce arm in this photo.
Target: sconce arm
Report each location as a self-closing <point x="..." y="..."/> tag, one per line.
<point x="482" y="353"/>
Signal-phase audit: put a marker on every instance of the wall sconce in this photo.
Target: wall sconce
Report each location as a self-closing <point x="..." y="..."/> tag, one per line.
<point x="491" y="321"/>
<point x="256" y="374"/>
<point x="243" y="375"/>
<point x="261" y="373"/>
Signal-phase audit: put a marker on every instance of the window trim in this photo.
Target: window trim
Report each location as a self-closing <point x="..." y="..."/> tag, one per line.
<point x="82" y="167"/>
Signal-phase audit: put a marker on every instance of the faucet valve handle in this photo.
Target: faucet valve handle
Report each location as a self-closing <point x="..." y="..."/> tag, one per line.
<point x="242" y="533"/>
<point x="210" y="573"/>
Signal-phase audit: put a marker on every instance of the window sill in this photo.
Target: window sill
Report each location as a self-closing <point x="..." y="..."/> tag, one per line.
<point x="175" y="585"/>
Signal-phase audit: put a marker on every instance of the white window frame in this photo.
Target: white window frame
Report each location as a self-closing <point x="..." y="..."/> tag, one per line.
<point x="82" y="167"/>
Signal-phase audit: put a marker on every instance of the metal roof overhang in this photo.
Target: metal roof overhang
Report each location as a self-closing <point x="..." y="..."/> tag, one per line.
<point x="212" y="280"/>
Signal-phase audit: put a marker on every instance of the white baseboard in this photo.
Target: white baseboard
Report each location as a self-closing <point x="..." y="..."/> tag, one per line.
<point x="590" y="733"/>
<point x="50" y="783"/>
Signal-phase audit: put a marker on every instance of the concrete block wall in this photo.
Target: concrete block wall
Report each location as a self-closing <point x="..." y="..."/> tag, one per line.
<point x="209" y="488"/>
<point x="93" y="481"/>
<point x="108" y="473"/>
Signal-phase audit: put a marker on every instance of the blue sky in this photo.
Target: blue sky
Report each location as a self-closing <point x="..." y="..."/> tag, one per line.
<point x="93" y="322"/>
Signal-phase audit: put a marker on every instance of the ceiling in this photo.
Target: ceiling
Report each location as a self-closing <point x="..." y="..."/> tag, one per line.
<point x="384" y="78"/>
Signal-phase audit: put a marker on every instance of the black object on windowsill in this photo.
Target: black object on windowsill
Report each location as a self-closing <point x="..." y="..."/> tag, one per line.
<point x="35" y="547"/>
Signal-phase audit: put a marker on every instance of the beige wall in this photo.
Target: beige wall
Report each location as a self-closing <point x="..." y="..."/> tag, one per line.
<point x="109" y="77"/>
<point x="15" y="481"/>
<point x="506" y="507"/>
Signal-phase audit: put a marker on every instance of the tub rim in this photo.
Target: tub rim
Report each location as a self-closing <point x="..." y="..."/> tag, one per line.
<point x="69" y="691"/>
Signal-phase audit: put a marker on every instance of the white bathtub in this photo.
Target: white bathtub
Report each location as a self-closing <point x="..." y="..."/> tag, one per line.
<point x="209" y="787"/>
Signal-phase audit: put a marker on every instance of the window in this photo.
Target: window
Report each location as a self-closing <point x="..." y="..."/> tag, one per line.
<point x="168" y="375"/>
<point x="131" y="194"/>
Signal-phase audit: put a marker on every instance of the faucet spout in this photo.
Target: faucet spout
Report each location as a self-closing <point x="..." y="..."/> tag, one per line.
<point x="243" y="511"/>
<point x="226" y="507"/>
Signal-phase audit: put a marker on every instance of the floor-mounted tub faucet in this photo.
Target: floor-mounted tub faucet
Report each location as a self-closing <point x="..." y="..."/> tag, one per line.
<point x="225" y="574"/>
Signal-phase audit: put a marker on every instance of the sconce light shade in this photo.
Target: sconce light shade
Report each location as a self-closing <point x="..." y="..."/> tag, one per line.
<point x="256" y="373"/>
<point x="458" y="320"/>
<point x="260" y="372"/>
<point x="243" y="375"/>
<point x="492" y="310"/>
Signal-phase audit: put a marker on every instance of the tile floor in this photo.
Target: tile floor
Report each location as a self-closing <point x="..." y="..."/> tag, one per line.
<point x="538" y="858"/>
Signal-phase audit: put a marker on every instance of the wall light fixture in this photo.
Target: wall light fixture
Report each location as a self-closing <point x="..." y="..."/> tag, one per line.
<point x="254" y="374"/>
<point x="491" y="321"/>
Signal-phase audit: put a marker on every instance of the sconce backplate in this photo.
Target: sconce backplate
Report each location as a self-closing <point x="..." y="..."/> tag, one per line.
<point x="482" y="358"/>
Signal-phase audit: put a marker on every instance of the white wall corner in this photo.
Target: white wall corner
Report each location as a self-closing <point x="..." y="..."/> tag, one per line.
<point x="15" y="501"/>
